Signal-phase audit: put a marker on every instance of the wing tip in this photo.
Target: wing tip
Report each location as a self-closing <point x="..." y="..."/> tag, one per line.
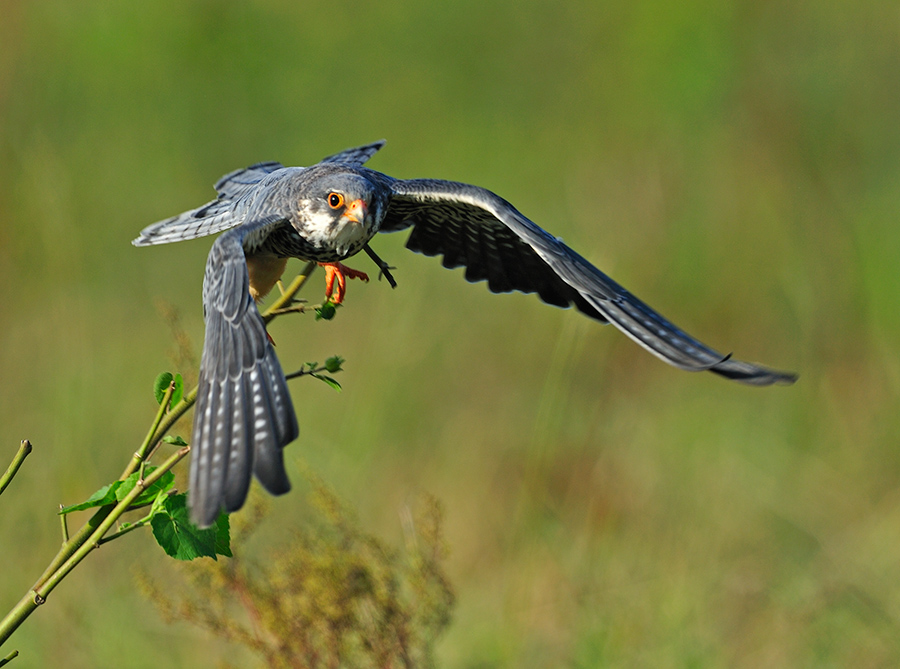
<point x="754" y="375"/>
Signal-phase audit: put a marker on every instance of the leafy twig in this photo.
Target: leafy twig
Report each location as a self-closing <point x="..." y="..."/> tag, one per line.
<point x="117" y="511"/>
<point x="38" y="594"/>
<point x="332" y="365"/>
<point x="170" y="512"/>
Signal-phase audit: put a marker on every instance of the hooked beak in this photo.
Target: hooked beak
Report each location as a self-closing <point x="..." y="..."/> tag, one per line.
<point x="357" y="211"/>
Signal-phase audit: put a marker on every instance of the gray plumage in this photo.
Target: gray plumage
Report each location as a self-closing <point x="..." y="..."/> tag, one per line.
<point x="244" y="415"/>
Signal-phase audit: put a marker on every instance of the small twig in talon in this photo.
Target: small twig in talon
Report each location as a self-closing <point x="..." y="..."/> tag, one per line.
<point x="289" y="292"/>
<point x="296" y="309"/>
<point x="383" y="268"/>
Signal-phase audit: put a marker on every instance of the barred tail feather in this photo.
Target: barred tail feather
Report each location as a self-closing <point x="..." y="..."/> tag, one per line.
<point x="244" y="415"/>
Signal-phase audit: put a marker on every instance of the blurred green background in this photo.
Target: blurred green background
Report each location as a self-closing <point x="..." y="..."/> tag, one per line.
<point x="737" y="165"/>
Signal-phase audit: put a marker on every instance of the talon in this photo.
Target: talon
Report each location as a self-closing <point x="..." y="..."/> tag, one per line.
<point x="338" y="272"/>
<point x="383" y="268"/>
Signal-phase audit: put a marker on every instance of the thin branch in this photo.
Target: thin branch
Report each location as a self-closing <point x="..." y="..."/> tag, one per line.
<point x="100" y="515"/>
<point x="125" y="530"/>
<point x="286" y="298"/>
<point x="25" y="449"/>
<point x="38" y="595"/>
<point x="305" y="372"/>
<point x="165" y="425"/>
<point x="65" y="524"/>
<point x="141" y="454"/>
<point x="296" y="309"/>
<point x="120" y="508"/>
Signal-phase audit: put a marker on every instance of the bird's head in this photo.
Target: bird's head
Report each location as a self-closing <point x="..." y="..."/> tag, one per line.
<point x="334" y="212"/>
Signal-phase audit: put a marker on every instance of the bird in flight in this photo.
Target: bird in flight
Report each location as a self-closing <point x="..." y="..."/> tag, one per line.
<point x="327" y="213"/>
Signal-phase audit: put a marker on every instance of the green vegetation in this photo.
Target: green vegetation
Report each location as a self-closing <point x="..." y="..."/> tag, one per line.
<point x="331" y="596"/>
<point x="735" y="165"/>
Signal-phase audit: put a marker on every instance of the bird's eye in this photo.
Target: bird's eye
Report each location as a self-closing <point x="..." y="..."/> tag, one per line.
<point x="335" y="200"/>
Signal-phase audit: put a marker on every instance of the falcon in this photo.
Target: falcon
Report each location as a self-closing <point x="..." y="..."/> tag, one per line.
<point x="327" y="213"/>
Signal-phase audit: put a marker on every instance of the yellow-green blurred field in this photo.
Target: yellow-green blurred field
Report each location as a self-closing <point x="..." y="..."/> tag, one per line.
<point x="736" y="165"/>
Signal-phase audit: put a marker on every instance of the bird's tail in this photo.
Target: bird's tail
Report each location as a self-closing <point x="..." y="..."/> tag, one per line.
<point x="241" y="426"/>
<point x="244" y="416"/>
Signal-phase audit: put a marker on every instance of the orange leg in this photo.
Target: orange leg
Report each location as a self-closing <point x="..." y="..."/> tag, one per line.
<point x="335" y="271"/>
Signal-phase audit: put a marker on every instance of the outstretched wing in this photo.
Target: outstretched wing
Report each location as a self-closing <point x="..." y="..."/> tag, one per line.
<point x="244" y="415"/>
<point x="226" y="211"/>
<point x="474" y="228"/>
<point x="222" y="213"/>
<point x="235" y="184"/>
<point x="357" y="155"/>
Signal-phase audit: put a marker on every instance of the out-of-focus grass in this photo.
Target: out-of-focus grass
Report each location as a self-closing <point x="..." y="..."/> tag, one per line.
<point x="736" y="166"/>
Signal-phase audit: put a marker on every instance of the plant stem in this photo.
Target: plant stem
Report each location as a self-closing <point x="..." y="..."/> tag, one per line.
<point x="305" y="372"/>
<point x="163" y="409"/>
<point x="38" y="595"/>
<point x="285" y="298"/>
<point x="164" y="426"/>
<point x="23" y="452"/>
<point x="63" y="519"/>
<point x="70" y="546"/>
<point x="104" y="527"/>
<point x="131" y="527"/>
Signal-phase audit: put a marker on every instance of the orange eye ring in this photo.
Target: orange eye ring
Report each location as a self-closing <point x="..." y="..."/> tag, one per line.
<point x="335" y="200"/>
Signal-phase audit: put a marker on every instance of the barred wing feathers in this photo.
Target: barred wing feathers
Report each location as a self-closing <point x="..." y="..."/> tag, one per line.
<point x="474" y="228"/>
<point x="226" y="211"/>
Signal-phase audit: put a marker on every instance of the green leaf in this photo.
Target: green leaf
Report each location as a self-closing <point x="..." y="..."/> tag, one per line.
<point x="325" y="312"/>
<point x="177" y="441"/>
<point x="118" y="490"/>
<point x="159" y="504"/>
<point x="161" y="385"/>
<point x="178" y="391"/>
<point x="106" y="495"/>
<point x="223" y="535"/>
<point x="333" y="364"/>
<point x="327" y="379"/>
<point x="183" y="540"/>
<point x="164" y="484"/>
